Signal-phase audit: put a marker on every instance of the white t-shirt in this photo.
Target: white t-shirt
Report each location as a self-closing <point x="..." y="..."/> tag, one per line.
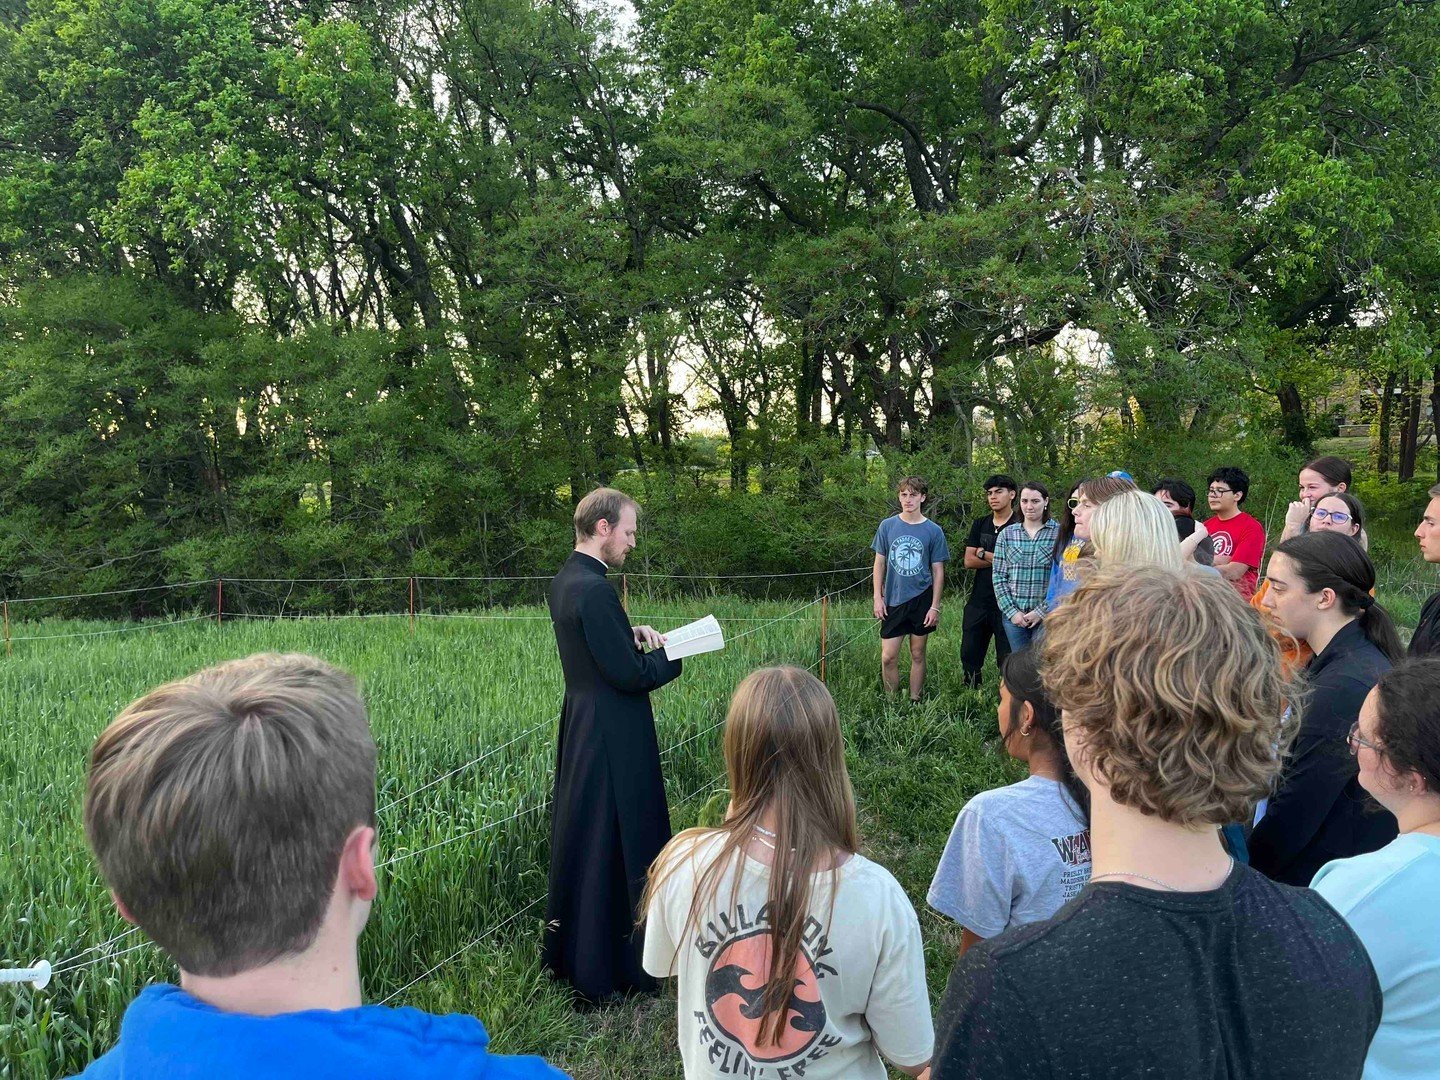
<point x="860" y="984"/>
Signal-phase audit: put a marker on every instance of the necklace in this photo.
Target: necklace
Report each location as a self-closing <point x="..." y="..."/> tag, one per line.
<point x="766" y="837"/>
<point x="1156" y="881"/>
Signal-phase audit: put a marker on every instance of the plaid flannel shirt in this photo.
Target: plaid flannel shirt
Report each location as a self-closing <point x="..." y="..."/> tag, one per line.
<point x="1022" y="567"/>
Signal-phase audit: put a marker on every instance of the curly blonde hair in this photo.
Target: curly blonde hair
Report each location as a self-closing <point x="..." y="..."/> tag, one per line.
<point x="1172" y="690"/>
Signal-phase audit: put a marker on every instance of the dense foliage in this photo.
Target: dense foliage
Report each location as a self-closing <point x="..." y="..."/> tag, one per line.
<point x="335" y="288"/>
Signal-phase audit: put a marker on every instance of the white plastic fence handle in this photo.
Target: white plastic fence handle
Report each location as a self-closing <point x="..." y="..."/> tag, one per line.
<point x="37" y="975"/>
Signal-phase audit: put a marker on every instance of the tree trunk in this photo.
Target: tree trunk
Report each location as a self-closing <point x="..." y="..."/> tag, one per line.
<point x="1387" y="398"/>
<point x="1294" y="431"/>
<point x="1410" y="429"/>
<point x="1435" y="416"/>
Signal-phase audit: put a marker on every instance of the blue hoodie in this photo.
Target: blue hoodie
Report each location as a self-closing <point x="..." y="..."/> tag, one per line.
<point x="169" y="1035"/>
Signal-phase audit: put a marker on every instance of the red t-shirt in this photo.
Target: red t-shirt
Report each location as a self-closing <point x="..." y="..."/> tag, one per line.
<point x="1243" y="539"/>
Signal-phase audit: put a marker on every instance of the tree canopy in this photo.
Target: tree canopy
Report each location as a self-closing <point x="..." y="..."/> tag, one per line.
<point x="330" y="285"/>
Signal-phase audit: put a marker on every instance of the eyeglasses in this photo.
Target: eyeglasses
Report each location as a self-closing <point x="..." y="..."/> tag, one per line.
<point x="1075" y="504"/>
<point x="1356" y="740"/>
<point x="1337" y="516"/>
<point x="1221" y="491"/>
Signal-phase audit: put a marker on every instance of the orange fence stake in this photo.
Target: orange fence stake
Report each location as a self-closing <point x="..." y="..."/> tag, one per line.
<point x="219" y="600"/>
<point x="625" y="591"/>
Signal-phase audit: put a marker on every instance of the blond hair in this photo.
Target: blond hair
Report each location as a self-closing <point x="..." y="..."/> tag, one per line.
<point x="602" y="504"/>
<point x="1133" y="528"/>
<point x="217" y="807"/>
<point x="1173" y="691"/>
<point x="784" y="755"/>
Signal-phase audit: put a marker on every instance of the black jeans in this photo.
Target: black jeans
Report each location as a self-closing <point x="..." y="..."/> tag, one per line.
<point x="981" y="622"/>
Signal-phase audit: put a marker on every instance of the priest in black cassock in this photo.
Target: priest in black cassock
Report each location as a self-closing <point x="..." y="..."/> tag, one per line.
<point x="608" y="816"/>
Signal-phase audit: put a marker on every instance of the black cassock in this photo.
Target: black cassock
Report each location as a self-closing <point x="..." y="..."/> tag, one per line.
<point x="608" y="817"/>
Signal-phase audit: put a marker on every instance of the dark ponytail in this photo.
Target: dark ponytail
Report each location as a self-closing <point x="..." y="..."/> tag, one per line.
<point x="1021" y="673"/>
<point x="1331" y="560"/>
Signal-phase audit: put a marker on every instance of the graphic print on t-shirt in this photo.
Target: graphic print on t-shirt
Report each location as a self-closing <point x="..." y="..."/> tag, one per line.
<point x="1224" y="543"/>
<point x="1074" y="852"/>
<point x="907" y="555"/>
<point x="735" y="991"/>
<point x="738" y="948"/>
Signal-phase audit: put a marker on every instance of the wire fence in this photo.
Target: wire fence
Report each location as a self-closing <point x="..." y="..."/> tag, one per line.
<point x="263" y="598"/>
<point x="106" y="951"/>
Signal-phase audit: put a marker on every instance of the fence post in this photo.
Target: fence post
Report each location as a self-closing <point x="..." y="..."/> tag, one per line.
<point x="824" y="632"/>
<point x="412" y="606"/>
<point x="7" y="628"/>
<point x="219" y="600"/>
<point x="625" y="592"/>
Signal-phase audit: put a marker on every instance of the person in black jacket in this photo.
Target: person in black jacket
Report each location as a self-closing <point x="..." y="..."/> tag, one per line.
<point x="608" y="817"/>
<point x="1320" y="594"/>
<point x="1426" y="639"/>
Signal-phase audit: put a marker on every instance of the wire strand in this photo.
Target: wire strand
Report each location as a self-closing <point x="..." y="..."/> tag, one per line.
<point x="461" y="951"/>
<point x="462" y="836"/>
<point x="114" y="592"/>
<point x="462" y="768"/>
<point x="100" y="959"/>
<point x="60" y="965"/>
<point x="117" y="630"/>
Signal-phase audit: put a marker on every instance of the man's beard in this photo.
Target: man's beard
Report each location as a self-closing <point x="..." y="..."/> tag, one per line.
<point x="612" y="553"/>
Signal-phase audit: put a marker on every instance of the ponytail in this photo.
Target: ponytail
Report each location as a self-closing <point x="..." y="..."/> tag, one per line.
<point x="1379" y="627"/>
<point x="1021" y="672"/>
<point x="1331" y="560"/>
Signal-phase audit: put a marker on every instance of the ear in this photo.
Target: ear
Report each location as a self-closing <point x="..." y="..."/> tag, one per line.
<point x="357" y="863"/>
<point x="122" y="909"/>
<point x="1027" y="716"/>
<point x="1327" y="599"/>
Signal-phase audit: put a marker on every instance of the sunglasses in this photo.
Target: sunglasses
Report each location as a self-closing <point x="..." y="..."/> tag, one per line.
<point x="1337" y="516"/>
<point x="1075" y="504"/>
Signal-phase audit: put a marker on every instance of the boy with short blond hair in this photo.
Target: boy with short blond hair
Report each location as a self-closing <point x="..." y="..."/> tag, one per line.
<point x="233" y="817"/>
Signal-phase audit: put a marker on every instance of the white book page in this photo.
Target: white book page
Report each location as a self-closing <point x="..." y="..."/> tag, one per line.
<point x="701" y="636"/>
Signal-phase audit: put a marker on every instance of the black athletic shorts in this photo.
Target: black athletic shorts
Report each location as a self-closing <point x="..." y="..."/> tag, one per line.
<point x="907" y="618"/>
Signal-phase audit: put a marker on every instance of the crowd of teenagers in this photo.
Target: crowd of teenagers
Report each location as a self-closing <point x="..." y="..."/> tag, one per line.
<point x="1223" y="862"/>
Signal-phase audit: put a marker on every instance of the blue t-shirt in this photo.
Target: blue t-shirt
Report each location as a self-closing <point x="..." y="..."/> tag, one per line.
<point x="1064" y="575"/>
<point x="909" y="550"/>
<point x="169" y="1035"/>
<point x="1388" y="898"/>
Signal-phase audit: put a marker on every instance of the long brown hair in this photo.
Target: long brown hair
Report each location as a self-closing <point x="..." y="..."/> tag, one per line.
<point x="784" y="756"/>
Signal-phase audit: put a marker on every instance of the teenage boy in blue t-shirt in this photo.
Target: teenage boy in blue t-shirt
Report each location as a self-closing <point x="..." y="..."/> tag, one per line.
<point x="233" y="816"/>
<point x="909" y="576"/>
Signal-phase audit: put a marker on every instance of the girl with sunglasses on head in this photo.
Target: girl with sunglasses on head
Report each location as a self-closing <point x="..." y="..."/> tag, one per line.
<point x="1388" y="896"/>
<point x="1320" y="586"/>
<point x="1070" y="541"/>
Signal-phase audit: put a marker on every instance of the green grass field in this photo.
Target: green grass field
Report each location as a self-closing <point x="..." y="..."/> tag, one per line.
<point x="457" y="689"/>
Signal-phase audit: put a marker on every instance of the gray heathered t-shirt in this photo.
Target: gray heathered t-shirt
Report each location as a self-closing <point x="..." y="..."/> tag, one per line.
<point x="909" y="551"/>
<point x="1016" y="855"/>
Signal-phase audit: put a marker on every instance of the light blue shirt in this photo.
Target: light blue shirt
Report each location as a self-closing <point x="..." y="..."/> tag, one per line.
<point x="1391" y="899"/>
<point x="909" y="551"/>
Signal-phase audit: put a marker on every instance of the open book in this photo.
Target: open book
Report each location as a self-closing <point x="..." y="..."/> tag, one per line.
<point x="701" y="636"/>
